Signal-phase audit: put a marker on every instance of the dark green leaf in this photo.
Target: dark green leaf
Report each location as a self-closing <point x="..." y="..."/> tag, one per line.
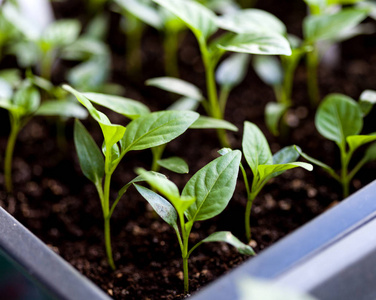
<point x="366" y="101"/>
<point x="232" y="70"/>
<point x="274" y="112"/>
<point x="89" y="155"/>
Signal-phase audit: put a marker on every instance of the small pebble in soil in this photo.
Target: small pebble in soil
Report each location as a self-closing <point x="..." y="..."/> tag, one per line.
<point x="180" y="275"/>
<point x="284" y="205"/>
<point x="311" y="192"/>
<point x="252" y="243"/>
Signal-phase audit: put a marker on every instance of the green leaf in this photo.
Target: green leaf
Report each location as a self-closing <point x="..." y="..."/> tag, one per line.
<point x="161" y="206"/>
<point x="112" y="133"/>
<point x="204" y="122"/>
<point x="324" y="27"/>
<point x="338" y="117"/>
<point x="274" y="112"/>
<point x="64" y="108"/>
<point x="6" y="90"/>
<point x="201" y="20"/>
<point x="231" y="72"/>
<point x="255" y="147"/>
<point x="355" y="141"/>
<point x="174" y="164"/>
<point x="212" y="186"/>
<point x="269" y="69"/>
<point x="61" y="33"/>
<point x="266" y="171"/>
<point x="132" y="109"/>
<point x="89" y="155"/>
<point x="258" y="43"/>
<point x="286" y="155"/>
<point x="175" y="85"/>
<point x="366" y="101"/>
<point x="156" y="129"/>
<point x="251" y="21"/>
<point x="229" y="238"/>
<point x="143" y="11"/>
<point x="27" y="98"/>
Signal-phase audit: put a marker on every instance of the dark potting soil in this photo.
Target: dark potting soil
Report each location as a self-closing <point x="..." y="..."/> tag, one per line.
<point x="57" y="203"/>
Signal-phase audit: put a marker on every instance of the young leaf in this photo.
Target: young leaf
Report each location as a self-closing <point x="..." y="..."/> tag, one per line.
<point x="27" y="98"/>
<point x="229" y="238"/>
<point x="89" y="155"/>
<point x="161" y="184"/>
<point x="355" y="141"/>
<point x="201" y="20"/>
<point x="266" y="171"/>
<point x="269" y="69"/>
<point x="174" y="164"/>
<point x="132" y="109"/>
<point x="185" y="103"/>
<point x="175" y="85"/>
<point x="141" y="10"/>
<point x="338" y="117"/>
<point x="211" y="123"/>
<point x="366" y="101"/>
<point x="161" y="206"/>
<point x="212" y="186"/>
<point x="371" y="152"/>
<point x="251" y="20"/>
<point x="112" y="133"/>
<point x="255" y="147"/>
<point x="264" y="43"/>
<point x="324" y="27"/>
<point x="61" y="33"/>
<point x="66" y="109"/>
<point x="156" y="129"/>
<point x="232" y="70"/>
<point x="286" y="155"/>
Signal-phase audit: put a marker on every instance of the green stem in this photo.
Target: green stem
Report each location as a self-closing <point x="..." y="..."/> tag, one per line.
<point x="171" y="46"/>
<point x="157" y="153"/>
<point x="46" y="64"/>
<point x="345" y="159"/>
<point x="251" y="197"/>
<point x="106" y="214"/>
<point x="214" y="107"/>
<point x="15" y="129"/>
<point x="223" y="96"/>
<point x="134" y="48"/>
<point x="312" y="77"/>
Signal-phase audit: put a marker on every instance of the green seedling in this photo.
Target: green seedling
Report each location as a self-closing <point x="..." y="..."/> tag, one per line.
<point x="133" y="109"/>
<point x="205" y="196"/>
<point x="23" y="104"/>
<point x="204" y="23"/>
<point x="340" y="119"/>
<point x="324" y="26"/>
<point x="263" y="164"/>
<point x="40" y="48"/>
<point x="144" y="132"/>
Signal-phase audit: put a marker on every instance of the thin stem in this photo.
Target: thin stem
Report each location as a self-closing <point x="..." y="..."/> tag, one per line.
<point x="133" y="46"/>
<point x="250" y="198"/>
<point x="171" y="46"/>
<point x="223" y="96"/>
<point x="157" y="153"/>
<point x="357" y="168"/>
<point x="106" y="214"/>
<point x="15" y="128"/>
<point x="345" y="158"/>
<point x="46" y="64"/>
<point x="312" y="77"/>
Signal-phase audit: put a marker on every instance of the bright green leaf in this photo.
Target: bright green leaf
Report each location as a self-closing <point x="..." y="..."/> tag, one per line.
<point x="89" y="155"/>
<point x="156" y="129"/>
<point x="61" y="33"/>
<point x="258" y="43"/>
<point x="132" y="109"/>
<point x="355" y="141"/>
<point x="212" y="186"/>
<point x="185" y="103"/>
<point x="338" y="117"/>
<point x="201" y="20"/>
<point x="27" y="98"/>
<point x="286" y="155"/>
<point x="266" y="171"/>
<point x="66" y="109"/>
<point x="229" y="238"/>
<point x="255" y="147"/>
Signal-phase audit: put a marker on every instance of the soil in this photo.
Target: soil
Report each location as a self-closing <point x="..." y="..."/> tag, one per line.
<point x="57" y="203"/>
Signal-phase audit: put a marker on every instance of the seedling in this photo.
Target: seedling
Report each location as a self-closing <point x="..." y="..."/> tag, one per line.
<point x="144" y="132"/>
<point x="263" y="164"/>
<point x="22" y="105"/>
<point x="324" y="26"/>
<point x="339" y="118"/>
<point x="204" y="23"/>
<point x="205" y="196"/>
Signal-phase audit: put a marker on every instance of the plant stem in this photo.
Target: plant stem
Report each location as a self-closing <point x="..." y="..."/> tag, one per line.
<point x="312" y="77"/>
<point x="106" y="214"/>
<point x="214" y="107"/>
<point x="223" y="96"/>
<point x="15" y="128"/>
<point x="185" y="272"/>
<point x="171" y="46"/>
<point x="46" y="64"/>
<point x="157" y="153"/>
<point x="251" y="197"/>
<point x="133" y="46"/>
<point x="345" y="159"/>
